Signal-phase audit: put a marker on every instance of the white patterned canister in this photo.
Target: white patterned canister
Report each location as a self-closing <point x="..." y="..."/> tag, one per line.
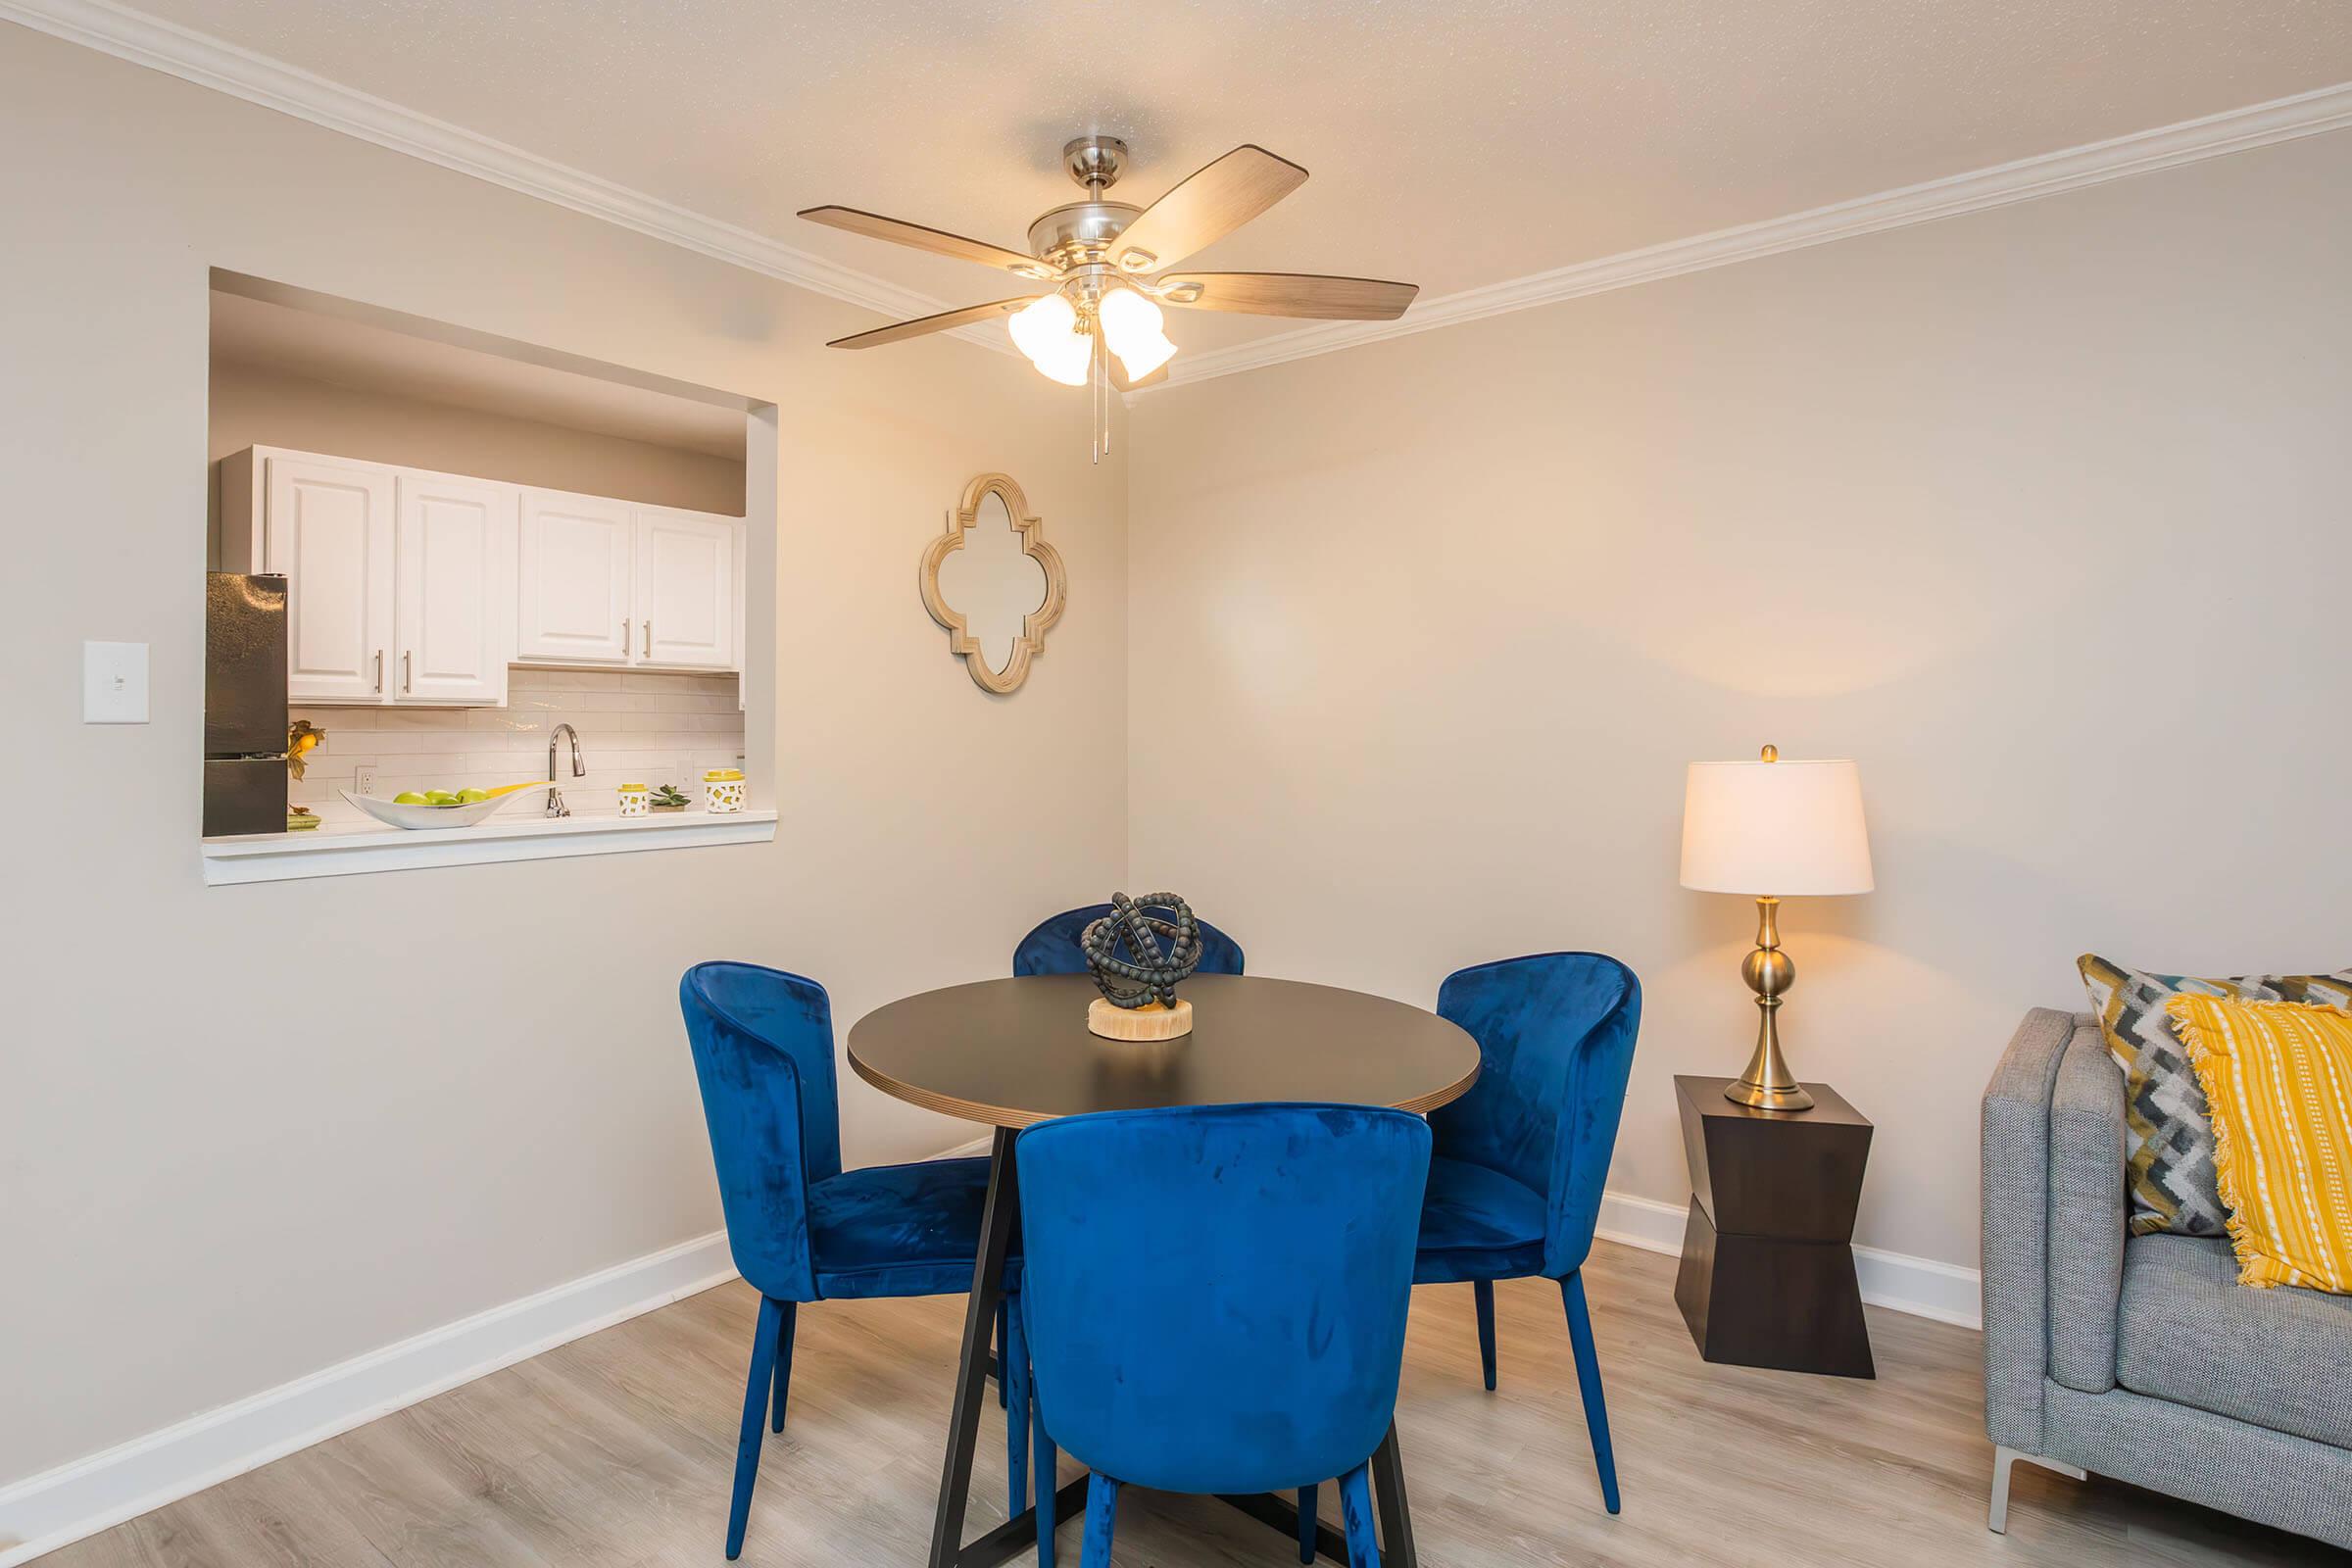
<point x="722" y="790"/>
<point x="636" y="800"/>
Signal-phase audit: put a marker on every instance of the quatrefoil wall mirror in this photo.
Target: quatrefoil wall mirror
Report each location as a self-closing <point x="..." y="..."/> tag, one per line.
<point x="993" y="583"/>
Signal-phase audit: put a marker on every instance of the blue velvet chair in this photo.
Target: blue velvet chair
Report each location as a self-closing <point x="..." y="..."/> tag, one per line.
<point x="1216" y="1299"/>
<point x="802" y="1229"/>
<point x="1514" y="1190"/>
<point x="1052" y="948"/>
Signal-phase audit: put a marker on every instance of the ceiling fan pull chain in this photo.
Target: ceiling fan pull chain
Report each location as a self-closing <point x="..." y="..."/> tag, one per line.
<point x="1099" y="394"/>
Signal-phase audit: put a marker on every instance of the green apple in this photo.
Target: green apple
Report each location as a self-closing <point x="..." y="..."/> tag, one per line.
<point x="439" y="798"/>
<point x="409" y="798"/>
<point x="466" y="797"/>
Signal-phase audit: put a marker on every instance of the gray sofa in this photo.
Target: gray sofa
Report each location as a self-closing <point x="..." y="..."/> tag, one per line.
<point x="2141" y="1358"/>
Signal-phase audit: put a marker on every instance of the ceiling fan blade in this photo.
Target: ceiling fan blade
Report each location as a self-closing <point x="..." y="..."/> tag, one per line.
<point x="1310" y="294"/>
<point x="1208" y="206"/>
<point x="924" y="325"/>
<point x="937" y="241"/>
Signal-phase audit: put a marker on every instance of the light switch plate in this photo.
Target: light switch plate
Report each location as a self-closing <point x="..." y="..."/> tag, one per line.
<point x="114" y="683"/>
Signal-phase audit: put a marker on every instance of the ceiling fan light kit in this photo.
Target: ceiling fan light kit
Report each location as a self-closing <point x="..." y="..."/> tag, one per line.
<point x="1108" y="264"/>
<point x="1132" y="326"/>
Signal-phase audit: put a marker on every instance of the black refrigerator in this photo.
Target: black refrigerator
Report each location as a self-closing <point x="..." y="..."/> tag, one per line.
<point x="244" y="704"/>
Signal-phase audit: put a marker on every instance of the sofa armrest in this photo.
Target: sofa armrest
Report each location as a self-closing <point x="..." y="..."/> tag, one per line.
<point x="2015" y="1130"/>
<point x="2089" y="1214"/>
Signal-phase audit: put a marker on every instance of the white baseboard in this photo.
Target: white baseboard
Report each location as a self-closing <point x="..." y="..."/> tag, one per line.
<point x="43" y="1513"/>
<point x="1898" y="1281"/>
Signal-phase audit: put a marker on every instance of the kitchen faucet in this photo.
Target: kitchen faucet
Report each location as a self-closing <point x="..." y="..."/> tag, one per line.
<point x="579" y="769"/>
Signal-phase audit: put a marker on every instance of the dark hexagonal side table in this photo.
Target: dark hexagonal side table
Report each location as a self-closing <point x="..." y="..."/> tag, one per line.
<point x="1768" y="1261"/>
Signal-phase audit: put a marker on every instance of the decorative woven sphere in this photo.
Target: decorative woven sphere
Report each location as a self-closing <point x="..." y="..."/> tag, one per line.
<point x="1145" y="972"/>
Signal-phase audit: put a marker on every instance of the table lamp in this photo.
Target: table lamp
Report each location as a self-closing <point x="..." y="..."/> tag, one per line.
<point x="1771" y="830"/>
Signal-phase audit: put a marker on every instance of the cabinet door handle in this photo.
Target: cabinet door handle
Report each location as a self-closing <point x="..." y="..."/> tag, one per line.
<point x="379" y="672"/>
<point x="649" y="639"/>
<point x="405" y="684"/>
<point x="624" y="639"/>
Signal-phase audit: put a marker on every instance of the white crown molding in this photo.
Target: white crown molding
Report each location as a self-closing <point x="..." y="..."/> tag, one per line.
<point x="117" y="29"/>
<point x="2027" y="179"/>
<point x="209" y="62"/>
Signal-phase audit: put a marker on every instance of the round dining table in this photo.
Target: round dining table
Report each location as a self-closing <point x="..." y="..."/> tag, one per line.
<point x="1013" y="1052"/>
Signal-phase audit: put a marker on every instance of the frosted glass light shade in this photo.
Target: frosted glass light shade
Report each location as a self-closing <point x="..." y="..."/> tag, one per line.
<point x="1785" y="829"/>
<point x="1068" y="361"/>
<point x="1044" y="332"/>
<point x="1132" y="326"/>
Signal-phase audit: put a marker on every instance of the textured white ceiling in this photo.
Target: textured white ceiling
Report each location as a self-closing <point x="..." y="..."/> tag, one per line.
<point x="1453" y="142"/>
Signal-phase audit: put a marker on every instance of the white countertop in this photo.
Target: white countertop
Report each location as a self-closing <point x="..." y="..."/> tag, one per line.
<point x="346" y="849"/>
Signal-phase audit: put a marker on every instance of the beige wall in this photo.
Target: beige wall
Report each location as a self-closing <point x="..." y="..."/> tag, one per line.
<point x="2039" y="513"/>
<point x="253" y="406"/>
<point x="252" y="1131"/>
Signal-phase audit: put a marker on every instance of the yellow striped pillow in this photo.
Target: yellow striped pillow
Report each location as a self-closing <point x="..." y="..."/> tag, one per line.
<point x="2278" y="1078"/>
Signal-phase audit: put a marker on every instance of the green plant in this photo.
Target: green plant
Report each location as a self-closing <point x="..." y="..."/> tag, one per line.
<point x="668" y="798"/>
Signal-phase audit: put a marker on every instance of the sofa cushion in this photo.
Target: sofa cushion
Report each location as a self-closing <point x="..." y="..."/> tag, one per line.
<point x="2172" y="1152"/>
<point x="2186" y="1330"/>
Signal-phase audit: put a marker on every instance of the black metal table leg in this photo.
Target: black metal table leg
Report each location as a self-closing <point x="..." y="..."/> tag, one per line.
<point x="997" y="1217"/>
<point x="1388" y="1494"/>
<point x="1278" y="1512"/>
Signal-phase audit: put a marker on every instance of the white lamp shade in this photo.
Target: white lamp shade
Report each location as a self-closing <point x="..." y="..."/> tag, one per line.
<point x="1788" y="829"/>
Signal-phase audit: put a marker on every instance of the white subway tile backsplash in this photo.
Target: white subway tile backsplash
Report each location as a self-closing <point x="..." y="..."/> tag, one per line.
<point x="635" y="727"/>
<point x="423" y="742"/>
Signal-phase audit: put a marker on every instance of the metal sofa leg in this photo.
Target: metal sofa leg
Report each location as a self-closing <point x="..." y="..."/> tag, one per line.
<point x="1996" y="1515"/>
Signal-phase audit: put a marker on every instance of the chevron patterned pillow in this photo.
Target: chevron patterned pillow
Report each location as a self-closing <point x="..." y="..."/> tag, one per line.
<point x="2171" y="1130"/>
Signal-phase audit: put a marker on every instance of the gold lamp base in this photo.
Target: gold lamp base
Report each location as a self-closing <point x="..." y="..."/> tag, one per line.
<point x="1742" y="1091"/>
<point x="1768" y="1084"/>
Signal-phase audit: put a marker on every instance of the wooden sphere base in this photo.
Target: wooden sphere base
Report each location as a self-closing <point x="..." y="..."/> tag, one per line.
<point x="1152" y="1021"/>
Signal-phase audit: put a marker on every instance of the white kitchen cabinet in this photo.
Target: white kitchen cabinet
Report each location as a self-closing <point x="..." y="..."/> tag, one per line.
<point x="639" y="587"/>
<point x="326" y="525"/>
<point x="454" y="589"/>
<point x="575" y="562"/>
<point x="400" y="584"/>
<point x="685" y="590"/>
<point x="405" y="586"/>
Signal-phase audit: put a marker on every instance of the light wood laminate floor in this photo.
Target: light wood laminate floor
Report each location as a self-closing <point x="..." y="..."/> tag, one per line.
<point x="618" y="1449"/>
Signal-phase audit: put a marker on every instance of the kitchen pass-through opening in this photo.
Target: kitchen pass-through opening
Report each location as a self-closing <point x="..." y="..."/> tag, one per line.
<point x="471" y="599"/>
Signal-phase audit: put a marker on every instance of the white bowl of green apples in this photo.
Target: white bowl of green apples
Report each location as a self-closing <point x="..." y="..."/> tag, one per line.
<point x="427" y="809"/>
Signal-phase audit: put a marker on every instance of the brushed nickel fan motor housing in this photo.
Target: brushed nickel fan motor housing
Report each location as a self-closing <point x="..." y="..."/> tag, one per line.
<point x="1080" y="231"/>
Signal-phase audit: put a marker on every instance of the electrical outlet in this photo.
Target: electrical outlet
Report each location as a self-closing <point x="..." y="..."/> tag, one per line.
<point x="365" y="783"/>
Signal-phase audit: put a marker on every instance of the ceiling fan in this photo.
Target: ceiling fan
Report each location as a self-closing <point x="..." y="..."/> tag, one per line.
<point x="1103" y="268"/>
